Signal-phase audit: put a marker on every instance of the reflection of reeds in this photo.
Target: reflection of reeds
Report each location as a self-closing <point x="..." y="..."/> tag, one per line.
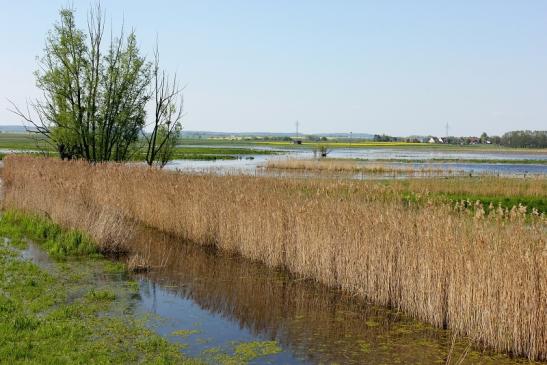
<point x="324" y="325"/>
<point x="349" y="167"/>
<point x="485" y="277"/>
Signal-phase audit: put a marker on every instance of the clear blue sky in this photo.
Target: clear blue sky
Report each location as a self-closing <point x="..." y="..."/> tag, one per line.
<point x="396" y="67"/>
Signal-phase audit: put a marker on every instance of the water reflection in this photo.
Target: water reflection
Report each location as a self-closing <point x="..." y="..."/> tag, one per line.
<point x="219" y="298"/>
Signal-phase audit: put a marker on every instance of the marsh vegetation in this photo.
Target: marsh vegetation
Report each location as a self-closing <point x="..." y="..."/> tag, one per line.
<point x="100" y="248"/>
<point x="479" y="273"/>
<point x="55" y="312"/>
<point x="349" y="166"/>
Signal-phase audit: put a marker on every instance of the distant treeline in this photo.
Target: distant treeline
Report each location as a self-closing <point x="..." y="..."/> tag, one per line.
<point x="525" y="139"/>
<point x="519" y="139"/>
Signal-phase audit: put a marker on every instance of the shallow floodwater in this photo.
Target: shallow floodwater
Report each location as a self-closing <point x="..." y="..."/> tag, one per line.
<point x="254" y="164"/>
<point x="219" y="300"/>
<point x="225" y="309"/>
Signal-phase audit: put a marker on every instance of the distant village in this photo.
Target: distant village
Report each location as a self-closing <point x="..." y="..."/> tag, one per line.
<point x="520" y="139"/>
<point x="471" y="140"/>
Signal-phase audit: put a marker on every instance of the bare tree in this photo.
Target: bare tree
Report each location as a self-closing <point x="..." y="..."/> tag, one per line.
<point x="322" y="151"/>
<point x="167" y="123"/>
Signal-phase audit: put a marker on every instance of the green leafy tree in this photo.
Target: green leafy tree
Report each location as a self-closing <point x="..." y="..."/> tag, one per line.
<point x="94" y="95"/>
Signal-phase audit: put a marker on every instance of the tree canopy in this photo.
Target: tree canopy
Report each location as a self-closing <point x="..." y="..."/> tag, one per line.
<point x="525" y="139"/>
<point x="95" y="95"/>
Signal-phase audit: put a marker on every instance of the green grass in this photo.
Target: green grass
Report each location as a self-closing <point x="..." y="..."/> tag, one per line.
<point x="540" y="204"/>
<point x="530" y="202"/>
<point x="21" y="141"/>
<point x="57" y="242"/>
<point x="40" y="323"/>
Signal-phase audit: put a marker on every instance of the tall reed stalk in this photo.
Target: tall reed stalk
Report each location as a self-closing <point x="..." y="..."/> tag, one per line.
<point x="481" y="276"/>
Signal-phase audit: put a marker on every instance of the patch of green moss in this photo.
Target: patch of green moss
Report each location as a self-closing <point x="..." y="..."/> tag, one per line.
<point x="185" y="333"/>
<point x="243" y="352"/>
<point x="113" y="267"/>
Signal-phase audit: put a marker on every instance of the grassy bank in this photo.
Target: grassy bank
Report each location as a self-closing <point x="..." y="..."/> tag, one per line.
<point x="54" y="316"/>
<point x="480" y="275"/>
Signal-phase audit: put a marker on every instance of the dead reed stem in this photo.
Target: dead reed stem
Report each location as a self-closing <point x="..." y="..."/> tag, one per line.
<point x="482" y="277"/>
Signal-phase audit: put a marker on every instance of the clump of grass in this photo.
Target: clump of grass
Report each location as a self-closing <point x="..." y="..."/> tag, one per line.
<point x="480" y="275"/>
<point x="107" y="295"/>
<point x="25" y="322"/>
<point x="185" y="333"/>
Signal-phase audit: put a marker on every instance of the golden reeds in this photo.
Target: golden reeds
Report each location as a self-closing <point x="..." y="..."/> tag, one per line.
<point x="484" y="277"/>
<point x="348" y="166"/>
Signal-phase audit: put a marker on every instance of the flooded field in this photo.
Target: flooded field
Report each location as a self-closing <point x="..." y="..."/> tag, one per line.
<point x="466" y="162"/>
<point x="226" y="309"/>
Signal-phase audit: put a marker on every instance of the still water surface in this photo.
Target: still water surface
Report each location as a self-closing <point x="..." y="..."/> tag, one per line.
<point x="219" y="301"/>
<point x="224" y="299"/>
<point x="255" y="164"/>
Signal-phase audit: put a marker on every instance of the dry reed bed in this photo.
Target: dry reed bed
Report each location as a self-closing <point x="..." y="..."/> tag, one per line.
<point x="481" y="186"/>
<point x="348" y="167"/>
<point x="485" y="278"/>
